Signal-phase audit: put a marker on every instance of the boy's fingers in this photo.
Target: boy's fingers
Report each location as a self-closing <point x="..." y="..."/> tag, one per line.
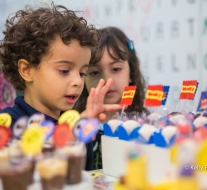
<point x="102" y="116"/>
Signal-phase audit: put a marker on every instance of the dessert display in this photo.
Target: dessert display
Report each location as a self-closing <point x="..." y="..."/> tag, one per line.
<point x="154" y="152"/>
<point x="39" y="155"/>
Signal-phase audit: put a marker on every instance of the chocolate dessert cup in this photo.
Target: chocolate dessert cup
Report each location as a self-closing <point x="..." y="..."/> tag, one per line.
<point x="75" y="154"/>
<point x="14" y="176"/>
<point x="52" y="172"/>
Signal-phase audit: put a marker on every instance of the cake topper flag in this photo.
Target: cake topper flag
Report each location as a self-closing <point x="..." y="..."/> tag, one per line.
<point x="48" y="128"/>
<point x="5" y="134"/>
<point x="128" y="95"/>
<point x="188" y="90"/>
<point x="62" y="134"/>
<point x="154" y="95"/>
<point x="70" y="117"/>
<point x="19" y="127"/>
<point x="202" y="106"/>
<point x="32" y="140"/>
<point x="86" y="129"/>
<point x="5" y="120"/>
<point x="165" y="94"/>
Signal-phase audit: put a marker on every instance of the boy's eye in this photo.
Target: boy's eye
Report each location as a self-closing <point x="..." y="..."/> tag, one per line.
<point x="64" y="71"/>
<point x="116" y="69"/>
<point x="93" y="73"/>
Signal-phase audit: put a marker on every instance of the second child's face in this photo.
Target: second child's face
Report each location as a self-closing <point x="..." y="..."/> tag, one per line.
<point x="59" y="79"/>
<point x="107" y="68"/>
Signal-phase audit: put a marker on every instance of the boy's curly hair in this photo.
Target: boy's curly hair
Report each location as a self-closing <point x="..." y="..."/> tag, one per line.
<point x="29" y="33"/>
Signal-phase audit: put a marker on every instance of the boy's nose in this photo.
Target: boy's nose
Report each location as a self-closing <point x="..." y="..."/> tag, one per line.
<point x="77" y="81"/>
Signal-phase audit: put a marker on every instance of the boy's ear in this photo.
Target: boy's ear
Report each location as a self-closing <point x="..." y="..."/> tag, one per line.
<point x="25" y="70"/>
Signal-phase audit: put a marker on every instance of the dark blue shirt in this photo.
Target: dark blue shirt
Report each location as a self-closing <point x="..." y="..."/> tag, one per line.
<point x="21" y="108"/>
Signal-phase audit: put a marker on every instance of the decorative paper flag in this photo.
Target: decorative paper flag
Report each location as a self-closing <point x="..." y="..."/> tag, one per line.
<point x="32" y="140"/>
<point x="19" y="126"/>
<point x="62" y="134"/>
<point x="154" y="95"/>
<point x="188" y="90"/>
<point x="70" y="117"/>
<point x="5" y="120"/>
<point x="48" y="128"/>
<point x="202" y="106"/>
<point x="85" y="129"/>
<point x="128" y="95"/>
<point x="36" y="118"/>
<point x="5" y="134"/>
<point x="165" y="94"/>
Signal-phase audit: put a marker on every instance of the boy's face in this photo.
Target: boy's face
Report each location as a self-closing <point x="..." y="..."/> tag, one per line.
<point x="59" y="79"/>
<point x="107" y="68"/>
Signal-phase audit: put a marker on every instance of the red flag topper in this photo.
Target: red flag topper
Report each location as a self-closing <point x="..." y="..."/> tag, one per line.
<point x="154" y="95"/>
<point x="188" y="90"/>
<point x="128" y="95"/>
<point x="62" y="134"/>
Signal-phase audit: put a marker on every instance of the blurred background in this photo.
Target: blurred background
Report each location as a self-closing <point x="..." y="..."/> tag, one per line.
<point x="170" y="36"/>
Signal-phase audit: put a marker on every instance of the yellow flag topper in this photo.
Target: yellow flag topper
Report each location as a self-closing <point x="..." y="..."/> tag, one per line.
<point x="70" y="117"/>
<point x="32" y="140"/>
<point x="5" y="120"/>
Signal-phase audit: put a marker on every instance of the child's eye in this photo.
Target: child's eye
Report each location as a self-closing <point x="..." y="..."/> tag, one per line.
<point x="82" y="74"/>
<point x="64" y="72"/>
<point x="116" y="69"/>
<point x="93" y="73"/>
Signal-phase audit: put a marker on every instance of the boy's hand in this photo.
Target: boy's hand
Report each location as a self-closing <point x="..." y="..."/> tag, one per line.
<point x="95" y="103"/>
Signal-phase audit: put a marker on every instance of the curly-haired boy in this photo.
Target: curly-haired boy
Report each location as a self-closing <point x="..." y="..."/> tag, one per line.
<point x="45" y="53"/>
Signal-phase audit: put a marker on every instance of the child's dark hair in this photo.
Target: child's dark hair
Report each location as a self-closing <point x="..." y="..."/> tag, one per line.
<point x="29" y="32"/>
<point x="114" y="39"/>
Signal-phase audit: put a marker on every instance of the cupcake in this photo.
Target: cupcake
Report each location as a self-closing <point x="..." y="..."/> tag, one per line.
<point x="52" y="172"/>
<point x="76" y="161"/>
<point x="14" y="174"/>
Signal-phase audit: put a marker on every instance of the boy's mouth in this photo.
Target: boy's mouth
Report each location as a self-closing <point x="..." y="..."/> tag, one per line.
<point x="72" y="98"/>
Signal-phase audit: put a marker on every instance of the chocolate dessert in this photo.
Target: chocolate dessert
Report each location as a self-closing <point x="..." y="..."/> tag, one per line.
<point x="52" y="172"/>
<point x="76" y="161"/>
<point x="14" y="175"/>
<point x="48" y="148"/>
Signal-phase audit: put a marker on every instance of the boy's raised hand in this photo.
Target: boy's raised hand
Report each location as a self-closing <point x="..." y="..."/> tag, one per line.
<point x="95" y="103"/>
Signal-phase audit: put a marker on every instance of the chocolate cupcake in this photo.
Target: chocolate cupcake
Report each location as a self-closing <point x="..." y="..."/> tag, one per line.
<point x="52" y="172"/>
<point x="48" y="148"/>
<point x="14" y="174"/>
<point x="75" y="154"/>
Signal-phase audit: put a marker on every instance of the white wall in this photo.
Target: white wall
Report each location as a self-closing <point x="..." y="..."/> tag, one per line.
<point x="170" y="36"/>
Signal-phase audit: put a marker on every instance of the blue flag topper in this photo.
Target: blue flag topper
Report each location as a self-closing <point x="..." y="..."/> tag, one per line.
<point x="165" y="94"/>
<point x="202" y="106"/>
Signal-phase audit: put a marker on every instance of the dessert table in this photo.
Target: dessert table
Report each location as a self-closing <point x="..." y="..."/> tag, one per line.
<point x="87" y="183"/>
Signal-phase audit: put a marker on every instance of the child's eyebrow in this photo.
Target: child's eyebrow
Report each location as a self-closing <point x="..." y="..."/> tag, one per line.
<point x="70" y="63"/>
<point x="115" y="61"/>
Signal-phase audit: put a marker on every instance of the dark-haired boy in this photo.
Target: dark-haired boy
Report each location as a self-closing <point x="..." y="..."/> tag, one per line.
<point x="45" y="53"/>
